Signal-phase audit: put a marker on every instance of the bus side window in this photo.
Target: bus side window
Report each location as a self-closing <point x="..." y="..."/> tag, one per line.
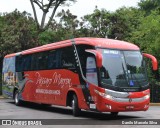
<point x="34" y="62"/>
<point x="23" y="63"/>
<point x="42" y="61"/>
<point x="52" y="60"/>
<point x="39" y="61"/>
<point x="19" y="63"/>
<point x="83" y="56"/>
<point x="26" y="63"/>
<point x="67" y="58"/>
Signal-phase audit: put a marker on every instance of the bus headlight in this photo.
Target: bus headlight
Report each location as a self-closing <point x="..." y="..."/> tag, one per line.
<point x="108" y="97"/>
<point x="104" y="95"/>
<point x="146" y="97"/>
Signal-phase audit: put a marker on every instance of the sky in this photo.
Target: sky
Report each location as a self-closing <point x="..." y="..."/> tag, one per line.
<point x="80" y="8"/>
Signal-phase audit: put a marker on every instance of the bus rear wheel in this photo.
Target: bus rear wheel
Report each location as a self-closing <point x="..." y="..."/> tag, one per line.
<point x="76" y="110"/>
<point x="17" y="101"/>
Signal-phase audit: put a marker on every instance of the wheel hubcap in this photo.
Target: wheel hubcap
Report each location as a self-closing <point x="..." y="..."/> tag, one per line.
<point x="73" y="104"/>
<point x="16" y="98"/>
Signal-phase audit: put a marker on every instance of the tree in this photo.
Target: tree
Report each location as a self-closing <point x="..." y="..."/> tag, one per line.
<point x="65" y="28"/>
<point x="97" y="23"/>
<point x="45" y="9"/>
<point x="149" y="5"/>
<point x="69" y="23"/>
<point x="124" y="21"/>
<point x="147" y="36"/>
<point x="116" y="25"/>
<point x="18" y="32"/>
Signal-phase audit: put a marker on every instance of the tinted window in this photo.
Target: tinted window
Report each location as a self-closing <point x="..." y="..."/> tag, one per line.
<point x="39" y="61"/>
<point x="19" y="63"/>
<point x="23" y="63"/>
<point x="67" y="58"/>
<point x="52" y="60"/>
<point x="83" y="54"/>
<point x="27" y="63"/>
<point x="59" y="58"/>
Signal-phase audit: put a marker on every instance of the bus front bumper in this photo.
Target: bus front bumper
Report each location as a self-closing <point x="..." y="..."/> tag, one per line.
<point x="106" y="105"/>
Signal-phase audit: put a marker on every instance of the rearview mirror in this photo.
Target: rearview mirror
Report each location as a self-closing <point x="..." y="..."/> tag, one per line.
<point x="98" y="56"/>
<point x="154" y="60"/>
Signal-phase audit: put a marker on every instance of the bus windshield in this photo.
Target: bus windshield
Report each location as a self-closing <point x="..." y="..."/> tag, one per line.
<point x="122" y="69"/>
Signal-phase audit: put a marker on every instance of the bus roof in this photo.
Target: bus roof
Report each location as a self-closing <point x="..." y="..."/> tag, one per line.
<point x="97" y="42"/>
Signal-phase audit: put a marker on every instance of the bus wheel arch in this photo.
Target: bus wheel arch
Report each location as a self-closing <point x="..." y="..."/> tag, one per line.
<point x="70" y="97"/>
<point x="72" y="101"/>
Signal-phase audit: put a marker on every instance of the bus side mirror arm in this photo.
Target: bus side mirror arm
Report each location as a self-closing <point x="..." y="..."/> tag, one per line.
<point x="98" y="56"/>
<point x="154" y="60"/>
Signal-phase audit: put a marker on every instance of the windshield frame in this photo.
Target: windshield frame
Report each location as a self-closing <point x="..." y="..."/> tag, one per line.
<point x="127" y="75"/>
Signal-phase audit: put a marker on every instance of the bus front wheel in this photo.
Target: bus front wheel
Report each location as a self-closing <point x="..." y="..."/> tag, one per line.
<point x="76" y="110"/>
<point x="114" y="114"/>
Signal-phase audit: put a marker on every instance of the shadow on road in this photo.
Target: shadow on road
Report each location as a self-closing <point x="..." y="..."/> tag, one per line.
<point x="84" y="114"/>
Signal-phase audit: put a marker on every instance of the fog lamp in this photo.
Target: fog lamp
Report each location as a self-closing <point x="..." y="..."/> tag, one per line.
<point x="109" y="106"/>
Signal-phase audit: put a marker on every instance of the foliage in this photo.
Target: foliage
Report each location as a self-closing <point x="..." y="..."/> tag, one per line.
<point x="66" y="28"/>
<point x="147" y="36"/>
<point x="45" y="7"/>
<point x="97" y="23"/>
<point x="149" y="5"/>
<point x="124" y="22"/>
<point x="119" y="24"/>
<point x="17" y="33"/>
<point x="148" y="33"/>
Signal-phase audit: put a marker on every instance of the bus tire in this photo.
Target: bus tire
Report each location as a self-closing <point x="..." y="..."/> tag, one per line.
<point x="114" y="114"/>
<point x="17" y="101"/>
<point x="76" y="110"/>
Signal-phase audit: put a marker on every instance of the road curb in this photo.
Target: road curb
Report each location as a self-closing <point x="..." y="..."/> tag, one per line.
<point x="1" y="97"/>
<point x="154" y="104"/>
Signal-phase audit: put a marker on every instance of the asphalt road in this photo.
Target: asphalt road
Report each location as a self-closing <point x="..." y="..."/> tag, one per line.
<point x="62" y="117"/>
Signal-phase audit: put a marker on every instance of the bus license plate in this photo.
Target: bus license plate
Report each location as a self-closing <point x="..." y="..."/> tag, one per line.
<point x="130" y="107"/>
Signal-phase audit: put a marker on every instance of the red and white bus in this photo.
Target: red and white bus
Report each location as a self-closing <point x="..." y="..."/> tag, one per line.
<point x="94" y="74"/>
